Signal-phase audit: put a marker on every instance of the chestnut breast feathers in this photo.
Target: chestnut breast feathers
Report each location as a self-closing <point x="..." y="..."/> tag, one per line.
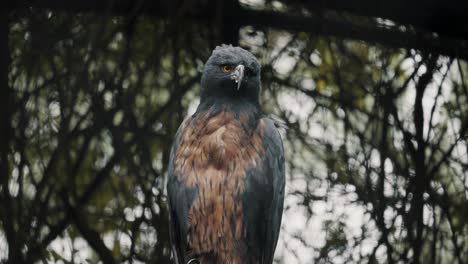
<point x="215" y="153"/>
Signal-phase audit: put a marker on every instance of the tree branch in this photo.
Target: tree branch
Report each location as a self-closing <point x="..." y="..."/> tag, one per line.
<point x="91" y="236"/>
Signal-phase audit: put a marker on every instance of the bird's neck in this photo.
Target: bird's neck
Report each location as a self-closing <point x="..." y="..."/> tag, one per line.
<point x="237" y="105"/>
<point x="229" y="94"/>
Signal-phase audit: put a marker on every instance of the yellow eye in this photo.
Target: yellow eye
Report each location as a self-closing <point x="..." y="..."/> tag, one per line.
<point x="226" y="68"/>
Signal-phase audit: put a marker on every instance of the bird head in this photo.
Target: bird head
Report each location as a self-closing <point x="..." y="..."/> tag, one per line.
<point x="232" y="72"/>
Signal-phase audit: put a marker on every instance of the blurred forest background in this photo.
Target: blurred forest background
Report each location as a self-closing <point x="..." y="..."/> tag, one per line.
<point x="374" y="94"/>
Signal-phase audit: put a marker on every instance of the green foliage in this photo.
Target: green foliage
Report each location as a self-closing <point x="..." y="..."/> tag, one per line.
<point x="97" y="102"/>
<point x="353" y="134"/>
<point x="97" y="99"/>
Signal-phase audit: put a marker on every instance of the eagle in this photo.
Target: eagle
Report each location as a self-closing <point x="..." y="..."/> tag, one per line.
<point x="226" y="174"/>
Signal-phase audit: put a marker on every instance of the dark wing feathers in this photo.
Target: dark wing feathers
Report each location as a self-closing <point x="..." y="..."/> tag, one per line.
<point x="275" y="162"/>
<point x="180" y="198"/>
<point x="264" y="195"/>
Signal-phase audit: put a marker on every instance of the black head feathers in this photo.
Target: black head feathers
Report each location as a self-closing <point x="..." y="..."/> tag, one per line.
<point x="229" y="53"/>
<point x="231" y="72"/>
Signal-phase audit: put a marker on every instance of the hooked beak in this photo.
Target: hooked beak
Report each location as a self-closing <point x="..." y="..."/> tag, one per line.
<point x="238" y="75"/>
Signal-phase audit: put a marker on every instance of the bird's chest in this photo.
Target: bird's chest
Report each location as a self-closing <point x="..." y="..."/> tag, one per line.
<point x="220" y="148"/>
<point x="214" y="157"/>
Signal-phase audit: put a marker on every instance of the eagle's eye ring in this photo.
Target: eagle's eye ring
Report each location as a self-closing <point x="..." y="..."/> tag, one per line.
<point x="226" y="68"/>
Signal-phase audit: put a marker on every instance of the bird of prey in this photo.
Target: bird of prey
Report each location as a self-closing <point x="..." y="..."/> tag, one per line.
<point x="226" y="170"/>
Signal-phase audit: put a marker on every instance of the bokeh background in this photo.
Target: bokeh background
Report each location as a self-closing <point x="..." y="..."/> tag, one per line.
<point x="374" y="95"/>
